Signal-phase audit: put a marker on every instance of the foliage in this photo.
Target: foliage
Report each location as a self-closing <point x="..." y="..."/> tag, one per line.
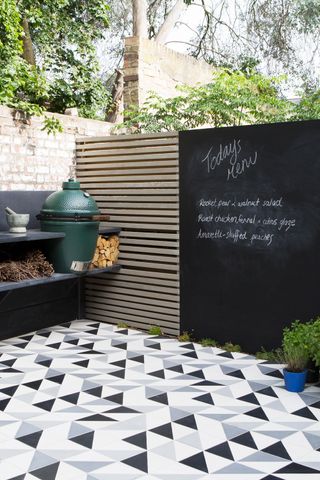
<point x="122" y="325"/>
<point x="314" y="341"/>
<point x="274" y="356"/>
<point x="233" y="98"/>
<point x="155" y="330"/>
<point x="185" y="337"/>
<point x="308" y="107"/>
<point x="52" y="125"/>
<point x="231" y="347"/>
<point x="63" y="35"/>
<point x="296" y="345"/>
<point x="208" y="342"/>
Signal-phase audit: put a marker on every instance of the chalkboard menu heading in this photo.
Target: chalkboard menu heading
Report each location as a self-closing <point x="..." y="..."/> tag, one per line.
<point x="249" y="230"/>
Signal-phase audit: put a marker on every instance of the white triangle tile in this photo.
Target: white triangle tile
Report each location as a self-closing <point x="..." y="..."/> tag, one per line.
<point x="215" y="462"/>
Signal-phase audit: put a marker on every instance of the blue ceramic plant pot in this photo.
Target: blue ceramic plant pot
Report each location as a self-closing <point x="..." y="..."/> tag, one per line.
<point x="294" y="381"/>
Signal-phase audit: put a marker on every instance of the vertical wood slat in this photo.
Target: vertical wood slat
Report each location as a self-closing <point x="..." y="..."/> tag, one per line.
<point x="134" y="178"/>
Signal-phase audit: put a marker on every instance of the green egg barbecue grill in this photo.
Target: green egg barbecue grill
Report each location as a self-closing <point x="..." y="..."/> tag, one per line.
<point x="75" y="213"/>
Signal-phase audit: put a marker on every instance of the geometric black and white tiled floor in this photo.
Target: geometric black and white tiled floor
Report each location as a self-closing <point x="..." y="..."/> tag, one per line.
<point x="87" y="401"/>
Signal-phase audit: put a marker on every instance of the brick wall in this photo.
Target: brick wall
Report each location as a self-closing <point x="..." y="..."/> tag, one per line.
<point x="149" y="65"/>
<point x="30" y="159"/>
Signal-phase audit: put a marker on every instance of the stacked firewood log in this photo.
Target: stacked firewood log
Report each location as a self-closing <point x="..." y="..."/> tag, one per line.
<point x="107" y="252"/>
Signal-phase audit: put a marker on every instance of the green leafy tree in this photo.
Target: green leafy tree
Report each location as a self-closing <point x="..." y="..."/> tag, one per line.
<point x="48" y="55"/>
<point x="233" y="98"/>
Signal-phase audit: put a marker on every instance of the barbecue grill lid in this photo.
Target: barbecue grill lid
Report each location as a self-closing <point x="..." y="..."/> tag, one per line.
<point x="70" y="202"/>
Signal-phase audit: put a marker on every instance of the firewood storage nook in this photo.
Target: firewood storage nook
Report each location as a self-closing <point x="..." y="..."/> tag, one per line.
<point x="32" y="304"/>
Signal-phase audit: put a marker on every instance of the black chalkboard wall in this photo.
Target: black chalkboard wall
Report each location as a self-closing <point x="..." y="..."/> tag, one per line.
<point x="249" y="231"/>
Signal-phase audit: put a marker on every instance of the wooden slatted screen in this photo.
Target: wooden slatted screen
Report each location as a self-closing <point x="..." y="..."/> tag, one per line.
<point x="134" y="178"/>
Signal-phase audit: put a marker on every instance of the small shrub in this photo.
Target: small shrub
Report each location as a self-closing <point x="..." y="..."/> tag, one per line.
<point x="185" y="337"/>
<point x="275" y="355"/>
<point x="231" y="347"/>
<point x="122" y="325"/>
<point x="155" y="330"/>
<point x="208" y="342"/>
<point x="313" y="341"/>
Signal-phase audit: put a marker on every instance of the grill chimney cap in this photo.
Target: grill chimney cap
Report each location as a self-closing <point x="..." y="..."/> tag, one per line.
<point x="71" y="184"/>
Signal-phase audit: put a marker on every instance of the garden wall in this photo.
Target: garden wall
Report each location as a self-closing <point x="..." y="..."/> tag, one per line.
<point x="149" y="65"/>
<point x="30" y="159"/>
<point x="134" y="179"/>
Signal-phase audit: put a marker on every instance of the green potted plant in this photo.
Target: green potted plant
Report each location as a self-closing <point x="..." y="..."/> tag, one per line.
<point x="314" y="341"/>
<point x="296" y="349"/>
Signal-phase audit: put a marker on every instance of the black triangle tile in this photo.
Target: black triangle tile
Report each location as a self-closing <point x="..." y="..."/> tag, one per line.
<point x="162" y="398"/>
<point x="44" y="334"/>
<point x="122" y="410"/>
<point x="46" y="473"/>
<point x="188" y="421"/>
<point x="250" y="398"/>
<point x="123" y="346"/>
<point x="55" y="345"/>
<point x="208" y="383"/>
<point x="71" y="398"/>
<point x="32" y="439"/>
<point x="222" y="450"/>
<point x="57" y="379"/>
<point x="119" y="363"/>
<point x="10" y="391"/>
<point x="196" y="461"/>
<point x="11" y="370"/>
<point x="190" y="354"/>
<point x="164" y="430"/>
<point x="155" y="346"/>
<point x="9" y="363"/>
<point x="225" y="354"/>
<point x="89" y="346"/>
<point x="82" y="363"/>
<point x="268" y="391"/>
<point x="117" y="398"/>
<point x="197" y="373"/>
<point x="158" y="374"/>
<point x="138" y="358"/>
<point x="275" y="373"/>
<point x="270" y="477"/>
<point x="278" y="450"/>
<point x="21" y="345"/>
<point x="118" y="373"/>
<point x="246" y="439"/>
<point x="176" y="368"/>
<point x="236" y="373"/>
<point x="189" y="346"/>
<point x="296" y="468"/>
<point x="258" y="413"/>
<point x="123" y="331"/>
<point x="315" y="405"/>
<point x="86" y="439"/>
<point x="91" y="352"/>
<point x="45" y="363"/>
<point x="139" y="440"/>
<point x="305" y="413"/>
<point x="46" y="405"/>
<point x="96" y="391"/>
<point x="34" y="385"/>
<point x="19" y="477"/>
<point x="75" y="341"/>
<point x="27" y="337"/>
<point x="4" y="403"/>
<point x="206" y="398"/>
<point x="97" y="417"/>
<point x="138" y="461"/>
